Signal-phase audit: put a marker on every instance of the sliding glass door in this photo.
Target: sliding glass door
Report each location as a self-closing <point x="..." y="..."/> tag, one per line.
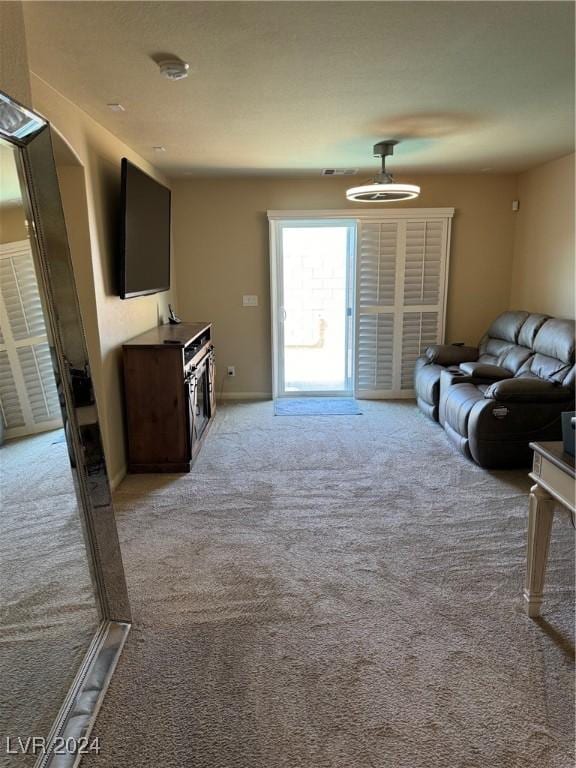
<point x="312" y="276"/>
<point x="356" y="300"/>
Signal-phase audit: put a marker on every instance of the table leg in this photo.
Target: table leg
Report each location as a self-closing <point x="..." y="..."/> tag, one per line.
<point x="540" y="516"/>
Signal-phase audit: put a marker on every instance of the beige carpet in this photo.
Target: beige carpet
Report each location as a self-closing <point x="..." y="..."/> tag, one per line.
<point x="48" y="612"/>
<point x="337" y="592"/>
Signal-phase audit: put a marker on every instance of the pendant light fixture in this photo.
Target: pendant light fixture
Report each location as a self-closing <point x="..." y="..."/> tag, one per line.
<point x="383" y="189"/>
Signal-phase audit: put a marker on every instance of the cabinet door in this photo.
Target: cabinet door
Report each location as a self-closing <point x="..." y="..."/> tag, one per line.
<point x="212" y="383"/>
<point x="191" y="397"/>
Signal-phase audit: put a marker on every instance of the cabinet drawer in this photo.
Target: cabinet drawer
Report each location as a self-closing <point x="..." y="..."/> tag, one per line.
<point x="559" y="483"/>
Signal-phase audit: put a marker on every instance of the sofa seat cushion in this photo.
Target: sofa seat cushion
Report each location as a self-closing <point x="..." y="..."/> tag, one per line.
<point x="459" y="401"/>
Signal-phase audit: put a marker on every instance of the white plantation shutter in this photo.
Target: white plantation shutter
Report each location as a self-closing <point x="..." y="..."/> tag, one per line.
<point x="377" y="264"/>
<point x="374" y="371"/>
<point x="423" y="262"/>
<point x="402" y="264"/>
<point x="38" y="372"/>
<point x="419" y="330"/>
<point x="28" y="395"/>
<point x="10" y="407"/>
<point x="20" y="295"/>
<point x="376" y="291"/>
<point x="424" y="288"/>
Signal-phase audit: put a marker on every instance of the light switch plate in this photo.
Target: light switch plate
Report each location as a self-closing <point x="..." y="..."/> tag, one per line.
<point x="249" y="301"/>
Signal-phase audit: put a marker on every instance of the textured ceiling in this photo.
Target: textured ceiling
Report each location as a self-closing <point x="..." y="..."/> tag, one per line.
<point x="290" y="87"/>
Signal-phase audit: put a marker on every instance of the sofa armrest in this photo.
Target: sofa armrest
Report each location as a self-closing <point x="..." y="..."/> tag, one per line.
<point x="528" y="390"/>
<point x="485" y="371"/>
<point x="450" y="354"/>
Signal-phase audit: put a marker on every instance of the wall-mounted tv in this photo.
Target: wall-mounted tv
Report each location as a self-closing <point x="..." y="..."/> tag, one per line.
<point x="145" y="234"/>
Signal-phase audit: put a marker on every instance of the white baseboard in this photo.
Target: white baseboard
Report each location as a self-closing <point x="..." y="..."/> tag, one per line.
<point x="117" y="479"/>
<point x="399" y="394"/>
<point x="245" y="396"/>
<point x="404" y="394"/>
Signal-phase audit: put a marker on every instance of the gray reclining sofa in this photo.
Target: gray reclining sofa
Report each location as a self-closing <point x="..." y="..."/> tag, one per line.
<point x="494" y="399"/>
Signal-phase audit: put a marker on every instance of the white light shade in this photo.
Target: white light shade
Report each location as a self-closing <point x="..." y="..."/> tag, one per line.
<point x="383" y="193"/>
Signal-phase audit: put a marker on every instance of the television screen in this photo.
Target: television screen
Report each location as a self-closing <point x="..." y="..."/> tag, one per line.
<point x="145" y="235"/>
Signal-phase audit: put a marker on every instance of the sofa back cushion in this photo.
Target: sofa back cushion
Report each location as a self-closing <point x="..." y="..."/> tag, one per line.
<point x="546" y="368"/>
<point x="500" y="337"/>
<point x="553" y="358"/>
<point x="493" y="350"/>
<point x="517" y="336"/>
<point x="530" y="328"/>
<point x="556" y="339"/>
<point x="514" y="357"/>
<point x="507" y="326"/>
<point x="504" y="354"/>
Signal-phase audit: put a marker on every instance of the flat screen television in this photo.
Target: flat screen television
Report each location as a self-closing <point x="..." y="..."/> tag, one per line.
<point x="145" y="234"/>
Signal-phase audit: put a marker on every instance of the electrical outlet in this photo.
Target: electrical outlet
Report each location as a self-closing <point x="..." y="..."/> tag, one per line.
<point x="231" y="370"/>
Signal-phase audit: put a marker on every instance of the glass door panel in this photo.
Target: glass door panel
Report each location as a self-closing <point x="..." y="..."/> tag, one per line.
<point x="315" y="308"/>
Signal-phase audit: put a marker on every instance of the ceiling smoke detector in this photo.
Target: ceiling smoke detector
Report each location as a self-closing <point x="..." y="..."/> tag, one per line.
<point x="174" y="69"/>
<point x="383" y="188"/>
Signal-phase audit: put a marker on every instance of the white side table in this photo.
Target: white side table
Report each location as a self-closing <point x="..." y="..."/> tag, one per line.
<point x="554" y="476"/>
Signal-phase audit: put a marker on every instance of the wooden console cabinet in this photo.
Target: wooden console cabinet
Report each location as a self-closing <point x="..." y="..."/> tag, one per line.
<point x="169" y="394"/>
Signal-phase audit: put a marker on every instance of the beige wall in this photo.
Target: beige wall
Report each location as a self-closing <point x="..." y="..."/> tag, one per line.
<point x="12" y="224"/>
<point x="15" y="81"/>
<point x="221" y="253"/>
<point x="14" y="78"/>
<point x="109" y="321"/>
<point x="498" y="259"/>
<point x="72" y="182"/>
<point x="544" y="249"/>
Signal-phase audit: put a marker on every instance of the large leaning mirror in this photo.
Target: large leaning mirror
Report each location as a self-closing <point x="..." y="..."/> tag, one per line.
<point x="64" y="607"/>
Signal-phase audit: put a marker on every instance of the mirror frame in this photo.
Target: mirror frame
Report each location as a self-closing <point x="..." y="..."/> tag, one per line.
<point x="30" y="134"/>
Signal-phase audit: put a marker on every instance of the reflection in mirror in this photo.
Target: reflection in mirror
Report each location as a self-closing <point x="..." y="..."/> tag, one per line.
<point x="48" y="606"/>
